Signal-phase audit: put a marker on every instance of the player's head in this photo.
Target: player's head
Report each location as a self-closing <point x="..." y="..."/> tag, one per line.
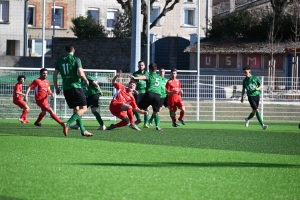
<point x="131" y="85"/>
<point x="152" y="67"/>
<point x="70" y="49"/>
<point x="162" y="72"/>
<point x="247" y="71"/>
<point x="21" y="78"/>
<point x="141" y="65"/>
<point x="43" y="73"/>
<point x="173" y="73"/>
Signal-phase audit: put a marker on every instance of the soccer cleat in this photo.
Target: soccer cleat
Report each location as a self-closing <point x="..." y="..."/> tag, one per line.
<point x="265" y="127"/>
<point x="21" y="120"/>
<point x="65" y="129"/>
<point x="175" y="124"/>
<point x="146" y="126"/>
<point x="158" y="128"/>
<point x="37" y="124"/>
<point x="86" y="134"/>
<point x="111" y="127"/>
<point x="26" y="121"/>
<point x="133" y="126"/>
<point x="137" y="121"/>
<point x="182" y="122"/>
<point x="76" y="127"/>
<point x="150" y="122"/>
<point x="102" y="128"/>
<point x="246" y="122"/>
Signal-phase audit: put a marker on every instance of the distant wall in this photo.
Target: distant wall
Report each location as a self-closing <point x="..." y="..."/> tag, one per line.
<point x="19" y="61"/>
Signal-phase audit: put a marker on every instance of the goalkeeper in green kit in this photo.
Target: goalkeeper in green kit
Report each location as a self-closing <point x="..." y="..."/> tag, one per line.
<point x="253" y="86"/>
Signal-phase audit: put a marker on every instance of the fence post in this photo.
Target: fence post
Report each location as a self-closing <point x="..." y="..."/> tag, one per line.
<point x="262" y="98"/>
<point x="214" y="98"/>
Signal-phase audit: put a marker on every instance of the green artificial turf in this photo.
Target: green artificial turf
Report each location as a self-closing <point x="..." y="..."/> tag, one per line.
<point x="201" y="160"/>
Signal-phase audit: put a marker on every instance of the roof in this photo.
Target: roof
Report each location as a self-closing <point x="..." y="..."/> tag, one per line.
<point x="213" y="45"/>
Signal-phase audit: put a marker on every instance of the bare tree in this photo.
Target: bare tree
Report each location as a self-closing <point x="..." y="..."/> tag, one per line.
<point x="280" y="5"/>
<point x="294" y="42"/>
<point x="169" y="5"/>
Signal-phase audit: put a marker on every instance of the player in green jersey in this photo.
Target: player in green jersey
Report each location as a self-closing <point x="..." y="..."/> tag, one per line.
<point x="141" y="90"/>
<point x="163" y="96"/>
<point x="253" y="86"/>
<point x="71" y="71"/>
<point x="153" y="92"/>
<point x="92" y="93"/>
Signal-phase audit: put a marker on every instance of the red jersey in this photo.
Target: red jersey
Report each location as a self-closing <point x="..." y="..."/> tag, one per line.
<point x="41" y="89"/>
<point x="122" y="96"/>
<point x="171" y="86"/>
<point x="17" y="88"/>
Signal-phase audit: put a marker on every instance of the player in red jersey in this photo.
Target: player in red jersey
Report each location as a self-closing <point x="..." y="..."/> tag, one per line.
<point x="123" y="104"/>
<point x="18" y="100"/>
<point x="41" y="91"/>
<point x="174" y="90"/>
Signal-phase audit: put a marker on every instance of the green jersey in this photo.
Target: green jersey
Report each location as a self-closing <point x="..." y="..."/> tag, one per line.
<point x="67" y="66"/>
<point x="250" y="84"/>
<point x="163" y="87"/>
<point x="140" y="84"/>
<point x="91" y="89"/>
<point x="153" y="83"/>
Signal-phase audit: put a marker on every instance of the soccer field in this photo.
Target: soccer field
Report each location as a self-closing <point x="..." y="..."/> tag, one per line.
<point x="201" y="160"/>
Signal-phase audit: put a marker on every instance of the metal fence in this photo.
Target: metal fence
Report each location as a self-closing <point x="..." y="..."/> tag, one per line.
<point x="219" y="96"/>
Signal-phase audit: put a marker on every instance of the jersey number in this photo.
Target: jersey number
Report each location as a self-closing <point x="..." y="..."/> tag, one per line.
<point x="157" y="82"/>
<point x="66" y="68"/>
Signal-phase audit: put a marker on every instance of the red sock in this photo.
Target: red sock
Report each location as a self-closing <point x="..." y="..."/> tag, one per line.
<point x="23" y="116"/>
<point x="40" y="118"/>
<point x="130" y="115"/>
<point x="54" y="116"/>
<point x="181" y="115"/>
<point x="120" y="124"/>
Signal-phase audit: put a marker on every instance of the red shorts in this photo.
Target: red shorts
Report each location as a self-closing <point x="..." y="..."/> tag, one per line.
<point x="116" y="110"/>
<point x="175" y="103"/>
<point x="20" y="103"/>
<point x="44" y="105"/>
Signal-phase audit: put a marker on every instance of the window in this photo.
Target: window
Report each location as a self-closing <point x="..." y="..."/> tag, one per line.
<point x="189" y="1"/>
<point x="95" y="14"/>
<point x="31" y="16"/>
<point x="4" y="11"/>
<point x="189" y="17"/>
<point x="154" y="15"/>
<point x="111" y="18"/>
<point x="58" y="17"/>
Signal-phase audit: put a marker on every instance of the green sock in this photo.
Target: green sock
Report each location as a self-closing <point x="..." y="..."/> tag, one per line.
<point x="98" y="117"/>
<point x="72" y="119"/>
<point x="137" y="115"/>
<point x="79" y="123"/>
<point x="151" y="118"/>
<point x="259" y="118"/>
<point x="157" y="120"/>
<point x="250" y="116"/>
<point x="146" y="117"/>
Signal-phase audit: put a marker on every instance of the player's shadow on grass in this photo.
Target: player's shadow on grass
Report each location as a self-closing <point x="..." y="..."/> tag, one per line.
<point x="181" y="164"/>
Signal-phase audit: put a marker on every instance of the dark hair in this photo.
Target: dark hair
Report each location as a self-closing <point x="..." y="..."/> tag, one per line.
<point x="43" y="70"/>
<point x="132" y="81"/>
<point x="173" y="70"/>
<point x="21" y="76"/>
<point x="246" y="68"/>
<point x="69" y="48"/>
<point x="161" y="69"/>
<point x="153" y="67"/>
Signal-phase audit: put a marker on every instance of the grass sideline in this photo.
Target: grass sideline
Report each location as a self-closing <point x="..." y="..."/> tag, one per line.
<point x="201" y="160"/>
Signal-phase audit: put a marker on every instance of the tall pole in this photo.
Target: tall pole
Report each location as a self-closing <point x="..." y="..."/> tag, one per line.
<point x="198" y="61"/>
<point x="53" y="20"/>
<point x="148" y="33"/>
<point x="25" y="27"/>
<point x="136" y="35"/>
<point x="43" y="36"/>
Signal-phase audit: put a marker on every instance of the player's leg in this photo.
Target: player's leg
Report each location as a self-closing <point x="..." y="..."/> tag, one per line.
<point x="93" y="101"/>
<point x="54" y="116"/>
<point x="254" y="107"/>
<point x="143" y="104"/>
<point x="258" y="116"/>
<point x="138" y="115"/>
<point x="156" y="105"/>
<point x="181" y="107"/>
<point x="25" y="109"/>
<point x="40" y="118"/>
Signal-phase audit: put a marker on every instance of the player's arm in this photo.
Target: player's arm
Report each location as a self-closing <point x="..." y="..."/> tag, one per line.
<point x="169" y="89"/>
<point x="97" y="86"/>
<point x="49" y="92"/>
<point x="243" y="93"/>
<point x="118" y="74"/>
<point x="81" y="74"/>
<point x="27" y="92"/>
<point x="138" y="77"/>
<point x="57" y="90"/>
<point x="135" y="107"/>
